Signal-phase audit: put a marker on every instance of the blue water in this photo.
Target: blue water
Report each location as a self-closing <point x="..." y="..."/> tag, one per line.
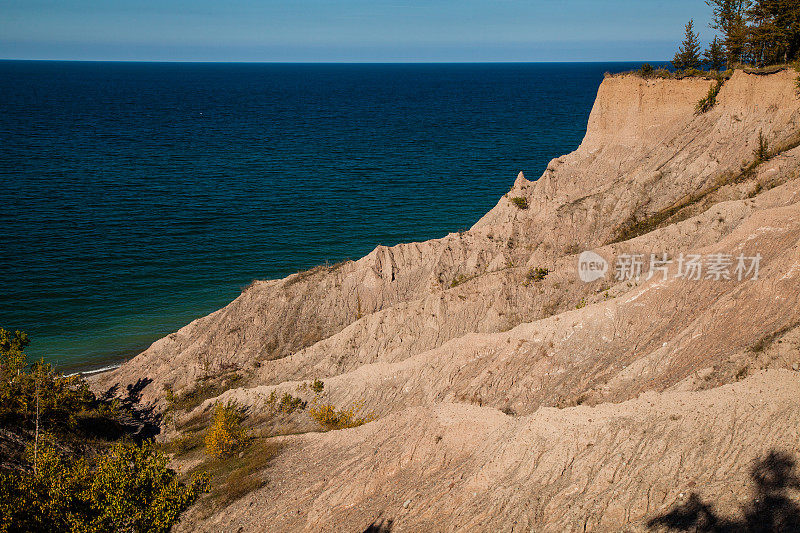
<point x="139" y="196"/>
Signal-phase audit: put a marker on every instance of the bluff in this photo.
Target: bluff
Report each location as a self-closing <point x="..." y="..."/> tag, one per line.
<point x="505" y="401"/>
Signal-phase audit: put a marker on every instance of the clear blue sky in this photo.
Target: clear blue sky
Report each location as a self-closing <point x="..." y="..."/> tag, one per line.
<point x="347" y="30"/>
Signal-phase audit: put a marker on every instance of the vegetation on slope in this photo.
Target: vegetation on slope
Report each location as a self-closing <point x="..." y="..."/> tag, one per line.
<point x="74" y="462"/>
<point x="635" y="225"/>
<point x="233" y="446"/>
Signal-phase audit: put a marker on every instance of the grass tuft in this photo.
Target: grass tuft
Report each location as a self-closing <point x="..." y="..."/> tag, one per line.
<point x="762" y="152"/>
<point x="235" y="476"/>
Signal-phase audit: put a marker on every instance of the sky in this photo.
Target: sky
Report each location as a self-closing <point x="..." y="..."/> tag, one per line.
<point x="348" y="30"/>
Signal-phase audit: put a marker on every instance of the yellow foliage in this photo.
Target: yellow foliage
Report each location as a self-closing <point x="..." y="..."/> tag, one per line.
<point x="226" y="433"/>
<point x="330" y="418"/>
<point x="129" y="489"/>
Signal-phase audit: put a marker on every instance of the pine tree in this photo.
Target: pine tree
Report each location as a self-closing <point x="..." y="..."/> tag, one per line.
<point x="688" y="56"/>
<point x="775" y="31"/>
<point x="762" y="32"/>
<point x="730" y="18"/>
<point x="715" y="55"/>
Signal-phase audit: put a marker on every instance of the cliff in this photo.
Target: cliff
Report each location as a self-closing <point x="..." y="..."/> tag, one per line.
<point x="505" y="401"/>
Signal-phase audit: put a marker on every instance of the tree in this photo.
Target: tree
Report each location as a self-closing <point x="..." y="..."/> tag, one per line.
<point x="775" y="30"/>
<point x="729" y="17"/>
<point x="714" y="56"/>
<point x="72" y="479"/>
<point x="22" y="384"/>
<point x="688" y="56"/>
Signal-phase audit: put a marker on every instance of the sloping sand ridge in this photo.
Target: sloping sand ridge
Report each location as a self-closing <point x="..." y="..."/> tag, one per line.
<point x="510" y="402"/>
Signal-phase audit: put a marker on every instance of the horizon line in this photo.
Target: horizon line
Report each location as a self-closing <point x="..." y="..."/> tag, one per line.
<point x="356" y="62"/>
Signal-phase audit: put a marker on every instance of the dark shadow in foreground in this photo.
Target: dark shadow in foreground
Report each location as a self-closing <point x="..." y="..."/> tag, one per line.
<point x="772" y="509"/>
<point x="132" y="419"/>
<point x="380" y="527"/>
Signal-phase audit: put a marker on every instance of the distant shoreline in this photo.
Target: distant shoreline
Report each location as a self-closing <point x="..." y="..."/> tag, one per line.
<point x="96" y="371"/>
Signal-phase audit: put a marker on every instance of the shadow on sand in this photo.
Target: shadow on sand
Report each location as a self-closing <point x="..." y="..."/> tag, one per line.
<point x="132" y="419"/>
<point x="772" y="509"/>
<point x="380" y="526"/>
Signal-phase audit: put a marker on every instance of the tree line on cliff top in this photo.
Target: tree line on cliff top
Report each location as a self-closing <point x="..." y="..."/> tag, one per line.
<point x="754" y="32"/>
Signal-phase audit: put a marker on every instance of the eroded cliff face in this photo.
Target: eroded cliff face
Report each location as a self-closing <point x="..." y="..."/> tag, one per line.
<point x="552" y="405"/>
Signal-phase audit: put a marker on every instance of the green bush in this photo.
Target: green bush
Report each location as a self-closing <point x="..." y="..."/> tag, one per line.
<point x="72" y="476"/>
<point x="646" y="70"/>
<point x="288" y="403"/>
<point x="535" y="274"/>
<point x="22" y="385"/>
<point x="330" y="418"/>
<point x="521" y="203"/>
<point x="693" y="73"/>
<point x="317" y="386"/>
<point x="710" y="99"/>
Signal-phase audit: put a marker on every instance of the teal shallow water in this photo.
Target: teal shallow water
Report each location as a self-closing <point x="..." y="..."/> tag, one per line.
<point x="145" y="195"/>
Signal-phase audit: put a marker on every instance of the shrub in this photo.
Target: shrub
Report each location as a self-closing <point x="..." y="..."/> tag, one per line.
<point x="317" y="386"/>
<point x="226" y="434"/>
<point x="710" y="99"/>
<point x="536" y="274"/>
<point x="520" y="202"/>
<point x="289" y="403"/>
<point x="327" y="416"/>
<point x="693" y="73"/>
<point x="71" y="476"/>
<point x="646" y="70"/>
<point x="128" y="488"/>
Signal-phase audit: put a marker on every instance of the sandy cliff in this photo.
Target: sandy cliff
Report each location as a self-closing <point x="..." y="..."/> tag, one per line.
<point x="550" y="405"/>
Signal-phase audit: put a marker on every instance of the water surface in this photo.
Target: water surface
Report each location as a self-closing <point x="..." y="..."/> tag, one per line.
<point x="139" y="196"/>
